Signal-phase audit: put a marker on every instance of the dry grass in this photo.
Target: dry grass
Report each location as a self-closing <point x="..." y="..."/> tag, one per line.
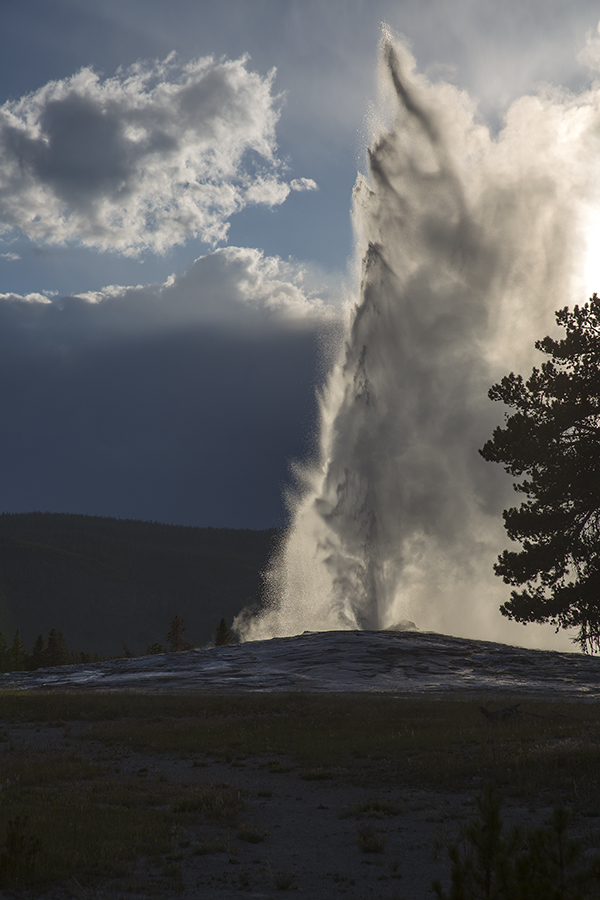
<point x="441" y="743"/>
<point x="93" y="823"/>
<point x="219" y="802"/>
<point x="88" y="833"/>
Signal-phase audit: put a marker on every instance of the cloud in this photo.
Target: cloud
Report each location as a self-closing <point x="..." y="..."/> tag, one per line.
<point x="144" y="160"/>
<point x="236" y="288"/>
<point x="304" y="184"/>
<point x="589" y="55"/>
<point x="181" y="401"/>
<point x="33" y="297"/>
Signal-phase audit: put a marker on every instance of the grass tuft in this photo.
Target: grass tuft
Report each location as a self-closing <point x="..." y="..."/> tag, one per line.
<point x="318" y="774"/>
<point x="219" y="802"/>
<point x="207" y="848"/>
<point x="252" y="835"/>
<point x="282" y="879"/>
<point x="369" y="840"/>
<point x="372" y="809"/>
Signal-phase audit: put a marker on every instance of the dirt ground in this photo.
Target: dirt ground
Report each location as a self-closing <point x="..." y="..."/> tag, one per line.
<point x="308" y="845"/>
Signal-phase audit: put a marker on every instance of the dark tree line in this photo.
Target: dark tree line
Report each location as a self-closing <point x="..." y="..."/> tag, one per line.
<point x="53" y="651"/>
<point x="45" y="653"/>
<point x="178" y="644"/>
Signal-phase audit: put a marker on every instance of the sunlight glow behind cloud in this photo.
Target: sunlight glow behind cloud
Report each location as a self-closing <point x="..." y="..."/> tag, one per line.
<point x="236" y="288"/>
<point x="144" y="160"/>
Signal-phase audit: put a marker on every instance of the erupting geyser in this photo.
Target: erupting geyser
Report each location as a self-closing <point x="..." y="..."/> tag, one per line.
<point x="468" y="243"/>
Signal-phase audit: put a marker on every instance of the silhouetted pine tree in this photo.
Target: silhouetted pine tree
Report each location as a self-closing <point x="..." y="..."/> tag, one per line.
<point x="38" y="657"/>
<point x="552" y="442"/>
<point x="56" y="651"/>
<point x="175" y="639"/>
<point x="4" y="660"/>
<point x="17" y="654"/>
<point x="224" y="635"/>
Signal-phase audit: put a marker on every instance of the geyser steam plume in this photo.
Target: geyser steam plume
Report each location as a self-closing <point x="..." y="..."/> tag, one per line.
<point x="468" y="244"/>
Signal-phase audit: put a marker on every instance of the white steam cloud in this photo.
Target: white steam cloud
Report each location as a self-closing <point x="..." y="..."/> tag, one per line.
<point x="144" y="160"/>
<point x="468" y="243"/>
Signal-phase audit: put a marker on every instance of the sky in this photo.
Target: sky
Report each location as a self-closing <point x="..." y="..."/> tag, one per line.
<point x="176" y="243"/>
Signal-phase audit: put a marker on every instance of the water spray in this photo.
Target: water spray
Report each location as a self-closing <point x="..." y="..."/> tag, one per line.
<point x="468" y="243"/>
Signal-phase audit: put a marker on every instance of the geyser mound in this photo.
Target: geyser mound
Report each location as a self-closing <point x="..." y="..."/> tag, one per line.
<point x="468" y="243"/>
<point x="404" y="662"/>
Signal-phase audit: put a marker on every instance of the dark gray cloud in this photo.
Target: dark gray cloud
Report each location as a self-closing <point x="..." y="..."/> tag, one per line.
<point x="180" y="402"/>
<point x="192" y="428"/>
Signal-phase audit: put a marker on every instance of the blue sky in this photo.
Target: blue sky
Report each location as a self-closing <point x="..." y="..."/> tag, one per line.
<point x="175" y="196"/>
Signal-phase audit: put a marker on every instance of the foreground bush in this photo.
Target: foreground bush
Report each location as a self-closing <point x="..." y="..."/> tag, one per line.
<point x="534" y="864"/>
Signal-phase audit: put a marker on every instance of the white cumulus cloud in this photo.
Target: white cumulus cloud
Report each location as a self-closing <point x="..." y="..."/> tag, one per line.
<point x="304" y="184"/>
<point x="237" y="289"/>
<point x="143" y="160"/>
<point x="34" y="297"/>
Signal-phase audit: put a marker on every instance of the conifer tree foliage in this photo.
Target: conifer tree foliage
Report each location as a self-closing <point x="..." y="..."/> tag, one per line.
<point x="15" y="658"/>
<point x="494" y="863"/>
<point x="223" y="635"/>
<point x="175" y="639"/>
<point x="552" y="443"/>
<point x="39" y="654"/>
<point x="17" y="654"/>
<point x="56" y="651"/>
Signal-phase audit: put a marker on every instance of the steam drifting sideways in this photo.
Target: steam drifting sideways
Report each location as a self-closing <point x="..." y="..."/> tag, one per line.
<point x="468" y="242"/>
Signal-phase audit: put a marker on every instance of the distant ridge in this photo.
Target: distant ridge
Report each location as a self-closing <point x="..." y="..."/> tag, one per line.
<point x="104" y="581"/>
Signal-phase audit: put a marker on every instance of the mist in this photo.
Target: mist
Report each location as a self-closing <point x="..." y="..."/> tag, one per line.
<point x="466" y="243"/>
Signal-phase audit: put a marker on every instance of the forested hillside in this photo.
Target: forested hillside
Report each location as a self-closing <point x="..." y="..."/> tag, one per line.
<point x="102" y="582"/>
